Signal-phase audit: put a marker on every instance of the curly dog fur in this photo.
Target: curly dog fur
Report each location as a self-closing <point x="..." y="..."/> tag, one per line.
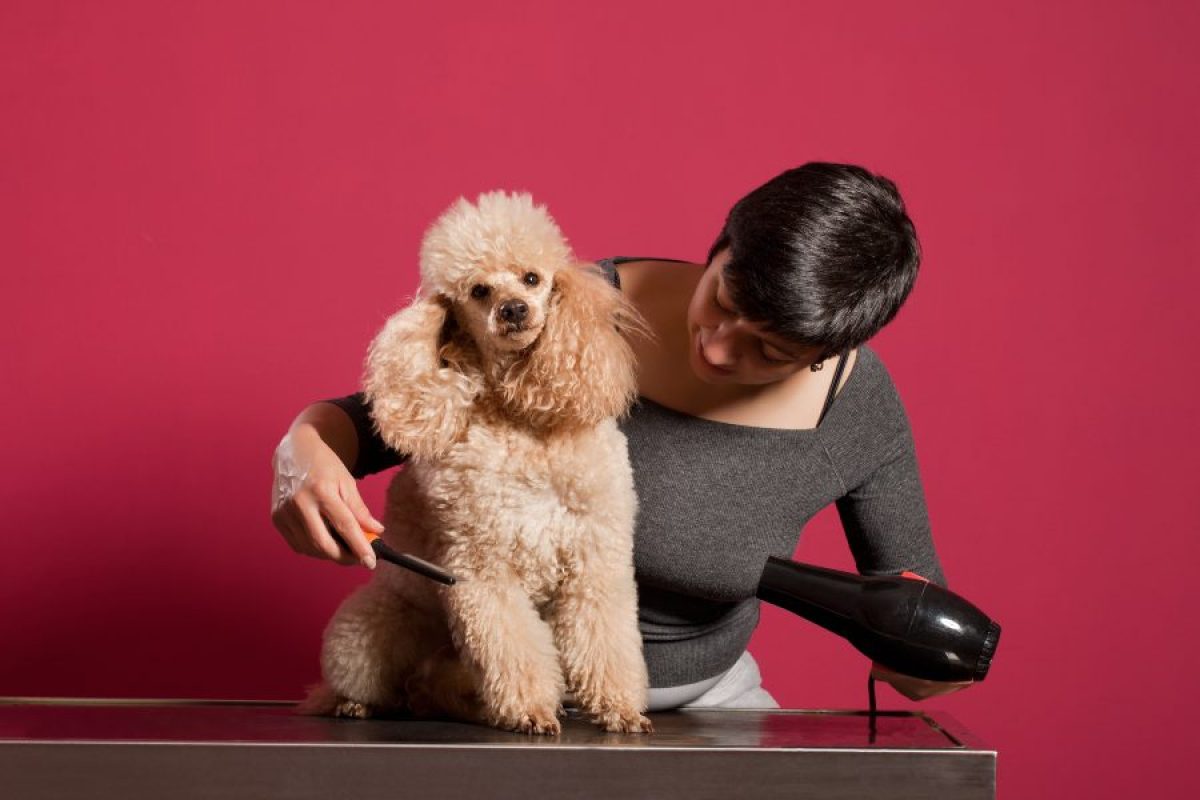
<point x="503" y="379"/>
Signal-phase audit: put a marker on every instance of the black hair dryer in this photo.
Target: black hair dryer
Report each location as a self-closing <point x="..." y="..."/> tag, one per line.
<point x="903" y="622"/>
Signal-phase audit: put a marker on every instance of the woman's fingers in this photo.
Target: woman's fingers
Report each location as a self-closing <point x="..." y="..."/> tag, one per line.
<point x="337" y="508"/>
<point x="915" y="688"/>
<point x="349" y="493"/>
<point x="319" y="537"/>
<point x="353" y="547"/>
<point x="351" y="534"/>
<point x="290" y="524"/>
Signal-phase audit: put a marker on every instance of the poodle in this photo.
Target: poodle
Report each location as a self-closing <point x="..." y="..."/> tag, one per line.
<point x="503" y="380"/>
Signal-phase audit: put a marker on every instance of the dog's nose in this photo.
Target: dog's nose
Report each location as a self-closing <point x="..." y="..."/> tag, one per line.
<point x="513" y="311"/>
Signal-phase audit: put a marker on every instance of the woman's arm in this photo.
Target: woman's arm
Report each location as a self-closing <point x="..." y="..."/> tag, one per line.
<point x="887" y="528"/>
<point x="314" y="487"/>
<point x="886" y="520"/>
<point x="370" y="454"/>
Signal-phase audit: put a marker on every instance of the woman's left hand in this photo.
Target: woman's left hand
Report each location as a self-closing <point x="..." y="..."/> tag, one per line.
<point x="915" y="688"/>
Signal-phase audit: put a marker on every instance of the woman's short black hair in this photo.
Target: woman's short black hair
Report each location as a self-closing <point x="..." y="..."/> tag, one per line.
<point x="823" y="255"/>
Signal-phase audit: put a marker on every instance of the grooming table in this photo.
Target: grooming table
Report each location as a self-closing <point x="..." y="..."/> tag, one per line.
<point x="55" y="748"/>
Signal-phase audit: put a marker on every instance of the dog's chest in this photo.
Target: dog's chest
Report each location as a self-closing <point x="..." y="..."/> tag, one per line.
<point x="521" y="470"/>
<point x="533" y="502"/>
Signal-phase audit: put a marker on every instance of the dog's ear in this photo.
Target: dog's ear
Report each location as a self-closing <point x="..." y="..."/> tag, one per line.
<point x="581" y="369"/>
<point x="417" y="380"/>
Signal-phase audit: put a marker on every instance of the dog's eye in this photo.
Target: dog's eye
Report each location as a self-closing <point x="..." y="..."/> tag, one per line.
<point x="531" y="278"/>
<point x="479" y="291"/>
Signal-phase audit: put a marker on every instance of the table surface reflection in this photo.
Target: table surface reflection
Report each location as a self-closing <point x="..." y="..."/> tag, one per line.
<point x="49" y="720"/>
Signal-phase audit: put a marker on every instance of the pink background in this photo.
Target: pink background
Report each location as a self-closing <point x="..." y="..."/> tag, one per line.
<point x="207" y="210"/>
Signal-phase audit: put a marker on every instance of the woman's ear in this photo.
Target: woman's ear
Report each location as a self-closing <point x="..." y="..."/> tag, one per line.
<point x="420" y="398"/>
<point x="581" y="369"/>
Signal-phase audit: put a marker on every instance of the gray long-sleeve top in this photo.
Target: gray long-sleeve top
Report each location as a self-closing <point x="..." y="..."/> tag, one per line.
<point x="715" y="499"/>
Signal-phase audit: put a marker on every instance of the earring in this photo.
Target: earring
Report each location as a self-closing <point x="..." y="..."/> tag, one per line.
<point x="817" y="367"/>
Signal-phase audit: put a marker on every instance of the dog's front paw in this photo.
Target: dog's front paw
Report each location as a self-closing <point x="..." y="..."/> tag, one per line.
<point x="351" y="708"/>
<point x="624" y="722"/>
<point x="539" y="721"/>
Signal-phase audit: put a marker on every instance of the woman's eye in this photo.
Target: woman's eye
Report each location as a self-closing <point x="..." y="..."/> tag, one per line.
<point x="479" y="291"/>
<point x="767" y="357"/>
<point x="531" y="278"/>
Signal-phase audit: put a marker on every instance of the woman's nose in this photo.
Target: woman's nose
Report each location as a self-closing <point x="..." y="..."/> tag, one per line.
<point x="720" y="348"/>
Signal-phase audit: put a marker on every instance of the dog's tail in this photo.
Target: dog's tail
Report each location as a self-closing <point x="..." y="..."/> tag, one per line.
<point x="320" y="702"/>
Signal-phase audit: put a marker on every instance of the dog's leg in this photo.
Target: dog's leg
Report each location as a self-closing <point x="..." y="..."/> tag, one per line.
<point x="595" y="628"/>
<point x="443" y="685"/>
<point x="510" y="648"/>
<point x="370" y="646"/>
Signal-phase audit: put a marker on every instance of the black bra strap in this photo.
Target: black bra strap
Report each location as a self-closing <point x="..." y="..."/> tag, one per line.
<point x="837" y="378"/>
<point x="623" y="259"/>
<point x="610" y="271"/>
<point x="609" y="265"/>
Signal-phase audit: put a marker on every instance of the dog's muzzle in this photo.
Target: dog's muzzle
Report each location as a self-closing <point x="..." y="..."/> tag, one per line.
<point x="513" y="314"/>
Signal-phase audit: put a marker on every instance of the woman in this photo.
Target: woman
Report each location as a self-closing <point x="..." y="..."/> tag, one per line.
<point x="760" y="404"/>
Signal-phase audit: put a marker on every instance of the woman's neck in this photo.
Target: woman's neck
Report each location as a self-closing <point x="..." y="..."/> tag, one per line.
<point x="661" y="291"/>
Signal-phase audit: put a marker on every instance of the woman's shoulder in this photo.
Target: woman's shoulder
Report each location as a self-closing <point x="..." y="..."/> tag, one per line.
<point x="873" y="373"/>
<point x="873" y="411"/>
<point x="635" y="275"/>
<point x="871" y="424"/>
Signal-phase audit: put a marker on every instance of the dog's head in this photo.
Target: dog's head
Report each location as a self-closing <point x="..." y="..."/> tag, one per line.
<point x="504" y="310"/>
<point x="493" y="262"/>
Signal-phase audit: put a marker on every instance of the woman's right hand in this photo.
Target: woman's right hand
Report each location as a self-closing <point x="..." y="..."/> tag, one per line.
<point x="311" y="482"/>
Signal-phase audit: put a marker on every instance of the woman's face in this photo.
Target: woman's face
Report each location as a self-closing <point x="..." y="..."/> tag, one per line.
<point x="726" y="347"/>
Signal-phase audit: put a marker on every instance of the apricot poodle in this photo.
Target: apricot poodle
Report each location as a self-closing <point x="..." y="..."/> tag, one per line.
<point x="503" y="380"/>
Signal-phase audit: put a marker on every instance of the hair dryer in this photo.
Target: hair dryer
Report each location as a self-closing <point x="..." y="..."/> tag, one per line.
<point x="903" y="622"/>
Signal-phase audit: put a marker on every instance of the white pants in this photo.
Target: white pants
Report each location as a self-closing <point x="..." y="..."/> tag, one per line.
<point x="738" y="687"/>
